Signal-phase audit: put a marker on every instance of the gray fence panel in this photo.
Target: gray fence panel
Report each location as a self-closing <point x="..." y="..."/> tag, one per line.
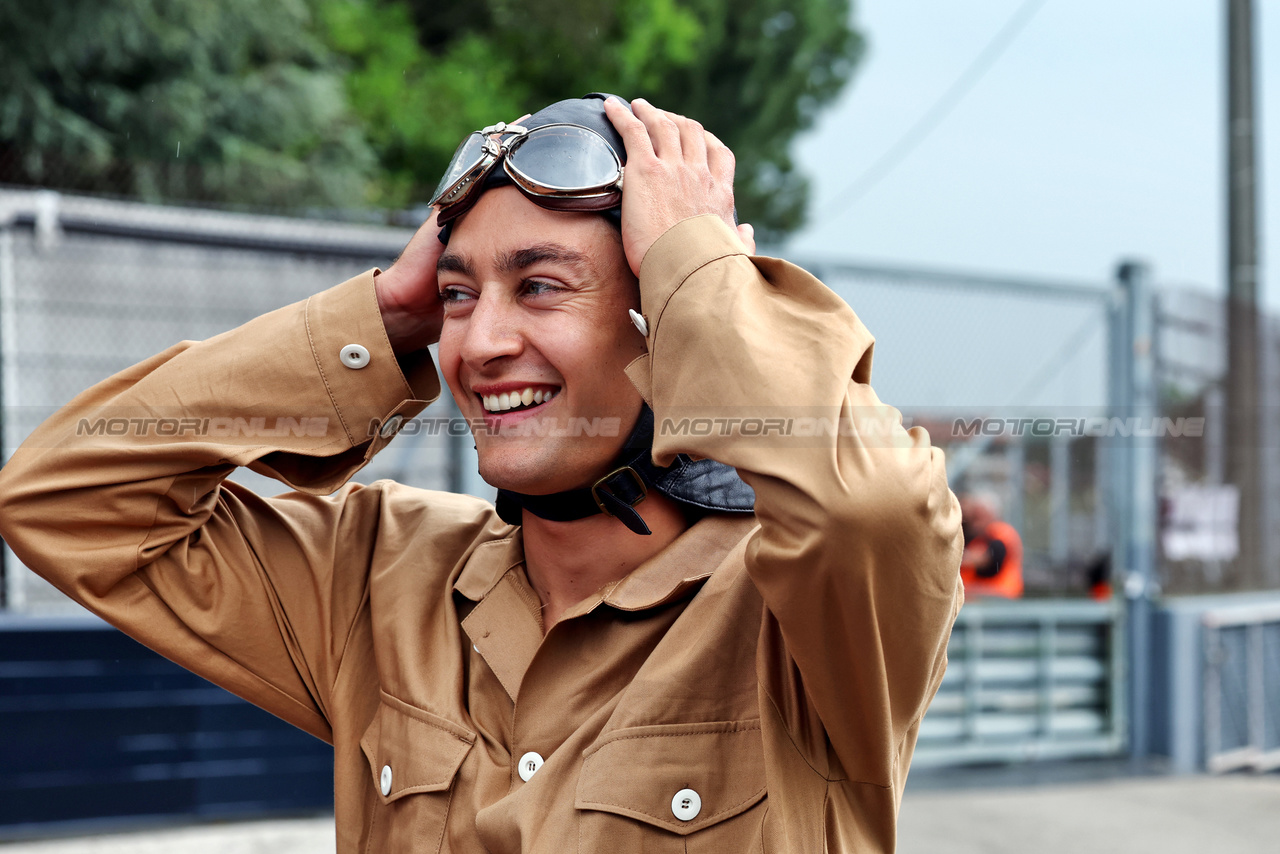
<point x="1242" y="688"/>
<point x="89" y="287"/>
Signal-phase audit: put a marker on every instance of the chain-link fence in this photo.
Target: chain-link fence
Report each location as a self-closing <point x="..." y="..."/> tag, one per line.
<point x="1007" y="375"/>
<point x="1200" y="513"/>
<point x="1010" y="377"/>
<point x="89" y="287"/>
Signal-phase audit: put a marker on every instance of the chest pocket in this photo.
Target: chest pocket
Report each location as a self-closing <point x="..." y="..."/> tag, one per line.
<point x="678" y="787"/>
<point x="413" y="756"/>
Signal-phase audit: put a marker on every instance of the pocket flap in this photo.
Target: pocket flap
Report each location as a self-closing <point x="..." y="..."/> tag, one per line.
<point x="638" y="771"/>
<point x="423" y="751"/>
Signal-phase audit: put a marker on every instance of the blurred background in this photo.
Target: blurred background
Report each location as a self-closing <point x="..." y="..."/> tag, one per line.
<point x="1051" y="215"/>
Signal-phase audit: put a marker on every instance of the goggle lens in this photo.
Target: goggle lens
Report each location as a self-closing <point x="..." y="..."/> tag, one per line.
<point x="564" y="158"/>
<point x="469" y="154"/>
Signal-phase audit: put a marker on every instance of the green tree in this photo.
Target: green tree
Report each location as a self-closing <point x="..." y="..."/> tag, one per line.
<point x="299" y="103"/>
<point x="755" y="72"/>
<point x="178" y="99"/>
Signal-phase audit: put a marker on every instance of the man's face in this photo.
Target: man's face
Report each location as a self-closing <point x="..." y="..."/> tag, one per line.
<point x="536" y="308"/>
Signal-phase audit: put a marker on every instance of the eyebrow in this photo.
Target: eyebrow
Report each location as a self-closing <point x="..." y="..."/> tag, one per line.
<point x="520" y="259"/>
<point x="516" y="259"/>
<point x="453" y="262"/>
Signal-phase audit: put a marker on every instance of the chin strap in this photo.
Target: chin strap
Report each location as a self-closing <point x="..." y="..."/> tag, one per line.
<point x="699" y="486"/>
<point x="616" y="494"/>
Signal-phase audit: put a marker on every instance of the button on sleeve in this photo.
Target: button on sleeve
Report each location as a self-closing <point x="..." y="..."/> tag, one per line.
<point x="364" y="379"/>
<point x="354" y="356"/>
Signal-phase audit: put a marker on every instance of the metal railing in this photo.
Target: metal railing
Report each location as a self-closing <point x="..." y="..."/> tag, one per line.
<point x="1028" y="680"/>
<point x="1242" y="688"/>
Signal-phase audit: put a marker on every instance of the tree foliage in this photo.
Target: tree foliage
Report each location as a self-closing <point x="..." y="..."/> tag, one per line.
<point x="755" y="72"/>
<point x="178" y="99"/>
<point x="344" y="102"/>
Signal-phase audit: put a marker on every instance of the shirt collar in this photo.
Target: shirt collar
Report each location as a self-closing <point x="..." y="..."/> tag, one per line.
<point x="684" y="564"/>
<point x="488" y="563"/>
<point x="665" y="577"/>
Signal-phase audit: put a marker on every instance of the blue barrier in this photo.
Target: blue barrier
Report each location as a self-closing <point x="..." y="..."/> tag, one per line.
<point x="95" y="726"/>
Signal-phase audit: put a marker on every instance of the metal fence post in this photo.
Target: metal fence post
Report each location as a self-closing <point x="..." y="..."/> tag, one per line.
<point x="1116" y="451"/>
<point x="1136" y="402"/>
<point x="1060" y="500"/>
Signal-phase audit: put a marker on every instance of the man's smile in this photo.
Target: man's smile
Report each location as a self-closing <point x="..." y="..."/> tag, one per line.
<point x="515" y="398"/>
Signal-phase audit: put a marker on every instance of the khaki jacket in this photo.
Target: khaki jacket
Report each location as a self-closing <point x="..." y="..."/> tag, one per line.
<point x="757" y="686"/>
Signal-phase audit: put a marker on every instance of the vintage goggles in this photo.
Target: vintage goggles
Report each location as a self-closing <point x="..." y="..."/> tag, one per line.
<point x="561" y="166"/>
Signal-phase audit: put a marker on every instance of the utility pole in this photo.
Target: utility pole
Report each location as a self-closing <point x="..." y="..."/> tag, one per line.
<point x="1244" y="457"/>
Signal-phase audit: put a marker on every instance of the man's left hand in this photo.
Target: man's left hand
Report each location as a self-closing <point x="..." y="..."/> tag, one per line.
<point x="675" y="170"/>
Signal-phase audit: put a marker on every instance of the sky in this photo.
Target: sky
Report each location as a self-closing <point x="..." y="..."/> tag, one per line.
<point x="1096" y="136"/>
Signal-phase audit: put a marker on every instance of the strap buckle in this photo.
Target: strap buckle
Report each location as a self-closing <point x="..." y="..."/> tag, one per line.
<point x="635" y="476"/>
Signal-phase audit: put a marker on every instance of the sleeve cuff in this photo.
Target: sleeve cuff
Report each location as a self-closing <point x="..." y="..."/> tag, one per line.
<point x="368" y="388"/>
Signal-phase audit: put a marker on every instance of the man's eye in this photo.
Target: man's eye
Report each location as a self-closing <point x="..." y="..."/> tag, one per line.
<point x="537" y="287"/>
<point x="453" y="295"/>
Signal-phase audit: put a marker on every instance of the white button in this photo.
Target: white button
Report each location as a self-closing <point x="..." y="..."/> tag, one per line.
<point x="390" y="426"/>
<point x="354" y="356"/>
<point x="638" y="319"/>
<point x="686" y="805"/>
<point x="476" y="648"/>
<point x="529" y="765"/>
<point x="386" y="780"/>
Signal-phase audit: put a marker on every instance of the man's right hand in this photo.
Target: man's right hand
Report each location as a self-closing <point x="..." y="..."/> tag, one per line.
<point x="408" y="294"/>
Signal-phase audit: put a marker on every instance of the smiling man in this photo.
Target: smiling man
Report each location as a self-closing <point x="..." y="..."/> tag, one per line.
<point x="663" y="638"/>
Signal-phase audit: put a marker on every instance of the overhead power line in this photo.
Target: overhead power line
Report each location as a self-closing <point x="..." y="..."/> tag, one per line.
<point x="941" y="108"/>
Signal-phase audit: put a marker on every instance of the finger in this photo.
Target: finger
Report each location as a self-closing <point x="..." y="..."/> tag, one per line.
<point x="693" y="140"/>
<point x="418" y="258"/>
<point x="664" y="134"/>
<point x="720" y="157"/>
<point x="747" y="234"/>
<point x="635" y="136"/>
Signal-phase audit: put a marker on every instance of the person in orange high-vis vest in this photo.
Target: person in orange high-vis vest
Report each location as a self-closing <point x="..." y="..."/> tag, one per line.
<point x="992" y="563"/>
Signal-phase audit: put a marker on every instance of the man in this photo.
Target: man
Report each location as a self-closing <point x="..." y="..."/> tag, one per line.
<point x="631" y="660"/>
<point x="992" y="564"/>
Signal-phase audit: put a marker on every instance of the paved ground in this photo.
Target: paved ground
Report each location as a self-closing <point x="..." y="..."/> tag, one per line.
<point x="1094" y="809"/>
<point x="1161" y="815"/>
<point x="297" y="836"/>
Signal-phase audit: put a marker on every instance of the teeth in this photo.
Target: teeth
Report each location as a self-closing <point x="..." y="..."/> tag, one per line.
<point x="510" y="400"/>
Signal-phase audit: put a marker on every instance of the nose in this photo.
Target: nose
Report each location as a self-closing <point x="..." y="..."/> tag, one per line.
<point x="492" y="331"/>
